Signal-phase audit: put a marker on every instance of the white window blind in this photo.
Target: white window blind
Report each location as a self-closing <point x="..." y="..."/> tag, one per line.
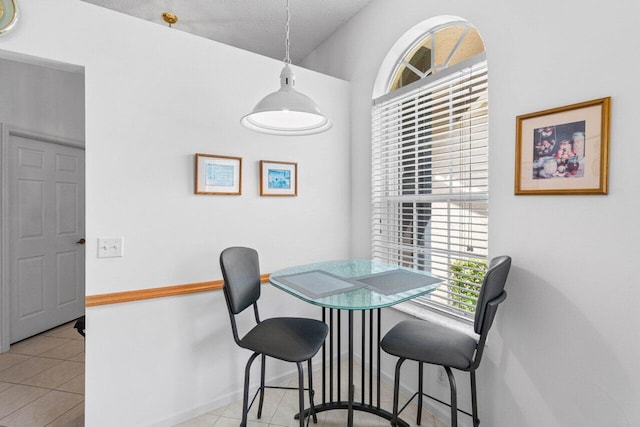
<point x="430" y="181"/>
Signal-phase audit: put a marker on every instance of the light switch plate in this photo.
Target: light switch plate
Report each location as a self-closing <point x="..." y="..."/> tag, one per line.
<point x="110" y="247"/>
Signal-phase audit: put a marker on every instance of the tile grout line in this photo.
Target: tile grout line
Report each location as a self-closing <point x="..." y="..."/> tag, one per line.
<point x="64" y="413"/>
<point x="26" y="404"/>
<point x="60" y="337"/>
<point x="28" y="378"/>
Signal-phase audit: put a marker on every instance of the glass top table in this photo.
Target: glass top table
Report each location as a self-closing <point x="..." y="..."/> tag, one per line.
<point x="353" y="285"/>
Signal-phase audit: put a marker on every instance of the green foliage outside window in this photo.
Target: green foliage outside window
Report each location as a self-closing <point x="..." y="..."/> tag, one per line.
<point x="468" y="276"/>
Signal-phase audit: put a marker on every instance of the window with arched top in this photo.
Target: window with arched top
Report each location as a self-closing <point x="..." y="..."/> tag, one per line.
<point x="438" y="50"/>
<point x="430" y="164"/>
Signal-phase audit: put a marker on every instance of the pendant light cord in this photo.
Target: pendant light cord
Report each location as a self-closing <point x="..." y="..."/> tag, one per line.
<point x="287" y="60"/>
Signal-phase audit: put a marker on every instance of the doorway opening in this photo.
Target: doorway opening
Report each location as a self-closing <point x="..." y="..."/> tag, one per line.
<point x="42" y="208"/>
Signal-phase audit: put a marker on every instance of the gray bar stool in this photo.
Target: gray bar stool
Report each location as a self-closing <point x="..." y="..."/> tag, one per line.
<point x="427" y="342"/>
<point x="291" y="339"/>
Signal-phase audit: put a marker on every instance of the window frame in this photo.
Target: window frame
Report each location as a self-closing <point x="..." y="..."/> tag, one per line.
<point x="426" y="81"/>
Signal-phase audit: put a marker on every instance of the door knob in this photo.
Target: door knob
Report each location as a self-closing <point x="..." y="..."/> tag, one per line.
<point x="81" y="241"/>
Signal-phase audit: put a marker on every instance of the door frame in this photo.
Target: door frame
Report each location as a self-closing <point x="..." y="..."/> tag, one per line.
<point x="6" y="131"/>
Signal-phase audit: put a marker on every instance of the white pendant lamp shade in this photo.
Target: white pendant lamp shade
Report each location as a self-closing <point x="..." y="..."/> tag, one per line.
<point x="286" y="111"/>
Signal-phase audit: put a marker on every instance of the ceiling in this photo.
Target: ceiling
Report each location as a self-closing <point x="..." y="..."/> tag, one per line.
<point x="254" y="25"/>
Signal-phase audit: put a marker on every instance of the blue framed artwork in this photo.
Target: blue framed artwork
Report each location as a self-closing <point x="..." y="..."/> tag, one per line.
<point x="278" y="178"/>
<point x="218" y="174"/>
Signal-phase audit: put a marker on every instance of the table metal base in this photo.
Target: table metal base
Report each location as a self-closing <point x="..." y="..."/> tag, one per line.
<point x="356" y="407"/>
<point x="331" y="378"/>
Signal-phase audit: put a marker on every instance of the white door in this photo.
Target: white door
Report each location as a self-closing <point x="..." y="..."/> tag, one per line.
<point x="46" y="234"/>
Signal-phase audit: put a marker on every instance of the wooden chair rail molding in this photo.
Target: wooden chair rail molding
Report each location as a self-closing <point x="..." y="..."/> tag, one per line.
<point x="165" y="291"/>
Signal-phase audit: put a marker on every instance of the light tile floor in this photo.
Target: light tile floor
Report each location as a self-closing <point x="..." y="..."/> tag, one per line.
<point x="281" y="405"/>
<point x="42" y="384"/>
<point x="42" y="380"/>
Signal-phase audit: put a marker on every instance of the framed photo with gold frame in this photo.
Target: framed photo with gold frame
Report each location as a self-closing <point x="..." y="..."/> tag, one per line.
<point x="563" y="150"/>
<point x="8" y="15"/>
<point x="278" y="178"/>
<point x="218" y="174"/>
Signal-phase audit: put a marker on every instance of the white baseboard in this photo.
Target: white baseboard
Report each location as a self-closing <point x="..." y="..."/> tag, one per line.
<point x="220" y="401"/>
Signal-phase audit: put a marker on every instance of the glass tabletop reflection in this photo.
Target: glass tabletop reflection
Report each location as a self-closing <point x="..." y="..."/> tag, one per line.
<point x="354" y="284"/>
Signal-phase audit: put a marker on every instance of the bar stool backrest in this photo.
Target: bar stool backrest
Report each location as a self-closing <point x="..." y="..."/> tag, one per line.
<point x="241" y="273"/>
<point x="492" y="288"/>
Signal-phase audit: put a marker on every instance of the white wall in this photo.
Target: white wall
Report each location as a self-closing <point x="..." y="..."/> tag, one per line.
<point x="564" y="349"/>
<point x="154" y="97"/>
<point x="42" y="99"/>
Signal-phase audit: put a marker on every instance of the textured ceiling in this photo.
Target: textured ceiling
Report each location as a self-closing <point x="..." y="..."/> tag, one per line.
<point x="254" y="25"/>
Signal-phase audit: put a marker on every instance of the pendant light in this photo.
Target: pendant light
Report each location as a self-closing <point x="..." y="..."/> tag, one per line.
<point x="286" y="111"/>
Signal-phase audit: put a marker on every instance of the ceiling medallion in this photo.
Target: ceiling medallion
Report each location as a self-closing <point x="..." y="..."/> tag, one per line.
<point x="8" y="15"/>
<point x="169" y="18"/>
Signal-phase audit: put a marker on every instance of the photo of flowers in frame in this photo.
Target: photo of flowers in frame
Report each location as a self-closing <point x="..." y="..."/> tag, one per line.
<point x="563" y="150"/>
<point x="218" y="174"/>
<point x="278" y="178"/>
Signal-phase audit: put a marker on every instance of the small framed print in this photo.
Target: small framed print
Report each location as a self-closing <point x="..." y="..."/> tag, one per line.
<point x="218" y="174"/>
<point x="563" y="150"/>
<point x="278" y="178"/>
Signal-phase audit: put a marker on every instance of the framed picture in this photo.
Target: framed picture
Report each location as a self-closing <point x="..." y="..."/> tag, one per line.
<point x="218" y="174"/>
<point x="8" y="15"/>
<point x="278" y="178"/>
<point x="563" y="150"/>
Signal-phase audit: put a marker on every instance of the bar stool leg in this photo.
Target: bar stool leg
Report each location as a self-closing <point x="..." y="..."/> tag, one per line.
<point x="245" y="399"/>
<point x="301" y="392"/>
<point x="420" y="372"/>
<point x="312" y="408"/>
<point x="396" y="392"/>
<point x="454" y="397"/>
<point x="264" y="361"/>
<point x="474" y="400"/>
